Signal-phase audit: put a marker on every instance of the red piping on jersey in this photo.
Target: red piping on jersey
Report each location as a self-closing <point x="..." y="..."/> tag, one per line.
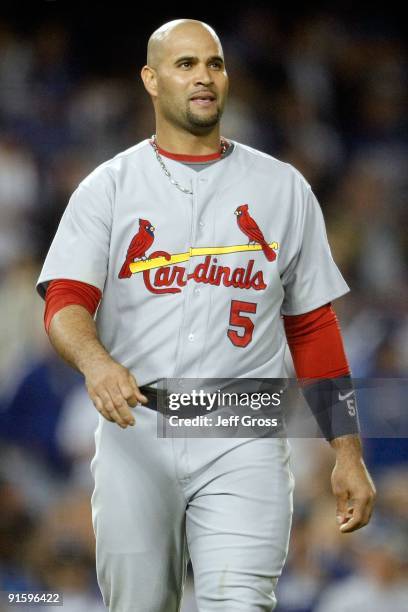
<point x="189" y="158"/>
<point x="316" y="344"/>
<point x="66" y="292"/>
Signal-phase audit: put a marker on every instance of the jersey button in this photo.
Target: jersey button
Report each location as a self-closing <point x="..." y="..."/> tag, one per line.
<point x="201" y="223"/>
<point x="197" y="291"/>
<point x="191" y="337"/>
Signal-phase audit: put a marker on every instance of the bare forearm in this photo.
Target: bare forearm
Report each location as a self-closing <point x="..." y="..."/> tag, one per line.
<point x="348" y="446"/>
<point x="73" y="335"/>
<point x="112" y="387"/>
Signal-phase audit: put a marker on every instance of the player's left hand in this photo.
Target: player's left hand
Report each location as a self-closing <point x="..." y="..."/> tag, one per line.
<point x="355" y="492"/>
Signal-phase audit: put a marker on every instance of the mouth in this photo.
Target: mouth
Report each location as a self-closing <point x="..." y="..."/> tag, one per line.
<point x="203" y="98"/>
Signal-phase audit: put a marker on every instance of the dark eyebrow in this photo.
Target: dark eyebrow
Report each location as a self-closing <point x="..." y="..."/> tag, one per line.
<point x="191" y="58"/>
<point x="185" y="58"/>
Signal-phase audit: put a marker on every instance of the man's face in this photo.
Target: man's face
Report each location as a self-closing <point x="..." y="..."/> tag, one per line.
<point x="192" y="82"/>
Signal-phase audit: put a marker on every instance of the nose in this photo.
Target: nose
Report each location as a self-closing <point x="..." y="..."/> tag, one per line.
<point x="202" y="75"/>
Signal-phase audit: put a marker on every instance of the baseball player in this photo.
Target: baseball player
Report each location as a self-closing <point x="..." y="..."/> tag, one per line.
<point x="201" y="257"/>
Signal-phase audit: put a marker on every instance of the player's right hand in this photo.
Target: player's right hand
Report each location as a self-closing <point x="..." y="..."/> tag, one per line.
<point x="113" y="390"/>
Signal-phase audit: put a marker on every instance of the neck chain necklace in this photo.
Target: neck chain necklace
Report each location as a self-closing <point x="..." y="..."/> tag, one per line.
<point x="153" y="142"/>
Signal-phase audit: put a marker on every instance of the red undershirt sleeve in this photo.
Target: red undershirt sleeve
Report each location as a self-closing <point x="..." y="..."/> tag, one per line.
<point x="316" y="344"/>
<point x="65" y="292"/>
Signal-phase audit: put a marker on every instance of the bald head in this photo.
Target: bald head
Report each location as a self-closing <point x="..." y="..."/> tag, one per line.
<point x="163" y="37"/>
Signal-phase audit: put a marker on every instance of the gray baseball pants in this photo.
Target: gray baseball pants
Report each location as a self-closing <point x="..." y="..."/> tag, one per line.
<point x="224" y="503"/>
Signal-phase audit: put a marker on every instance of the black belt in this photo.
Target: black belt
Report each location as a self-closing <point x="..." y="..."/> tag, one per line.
<point x="152" y="395"/>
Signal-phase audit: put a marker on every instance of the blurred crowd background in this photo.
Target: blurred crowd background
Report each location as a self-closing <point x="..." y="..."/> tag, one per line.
<point x="324" y="90"/>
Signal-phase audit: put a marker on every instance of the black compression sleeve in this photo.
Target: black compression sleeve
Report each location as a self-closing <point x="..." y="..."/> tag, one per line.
<point x="334" y="406"/>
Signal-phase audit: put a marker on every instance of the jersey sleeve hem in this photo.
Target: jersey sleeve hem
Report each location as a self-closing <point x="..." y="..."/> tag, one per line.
<point x="42" y="283"/>
<point x="303" y="308"/>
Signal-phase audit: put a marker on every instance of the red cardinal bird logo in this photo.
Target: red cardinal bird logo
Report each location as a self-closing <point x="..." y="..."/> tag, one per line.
<point x="250" y="228"/>
<point x="142" y="241"/>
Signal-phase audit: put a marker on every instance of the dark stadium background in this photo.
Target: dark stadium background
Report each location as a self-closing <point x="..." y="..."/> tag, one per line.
<point x="321" y="87"/>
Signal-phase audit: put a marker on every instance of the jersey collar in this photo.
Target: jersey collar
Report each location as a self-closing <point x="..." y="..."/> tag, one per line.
<point x="190" y="158"/>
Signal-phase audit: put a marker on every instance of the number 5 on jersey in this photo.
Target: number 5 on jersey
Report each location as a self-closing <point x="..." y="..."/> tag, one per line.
<point x="239" y="320"/>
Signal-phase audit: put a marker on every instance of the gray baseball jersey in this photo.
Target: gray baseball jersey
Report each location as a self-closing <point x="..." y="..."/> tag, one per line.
<point x="194" y="285"/>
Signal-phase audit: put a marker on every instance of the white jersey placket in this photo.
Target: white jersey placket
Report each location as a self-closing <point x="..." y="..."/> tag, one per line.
<point x="196" y="296"/>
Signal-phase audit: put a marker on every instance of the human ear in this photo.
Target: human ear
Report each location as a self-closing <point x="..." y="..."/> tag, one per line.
<point x="149" y="79"/>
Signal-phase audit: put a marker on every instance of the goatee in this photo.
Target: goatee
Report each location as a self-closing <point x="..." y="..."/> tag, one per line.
<point x="203" y="123"/>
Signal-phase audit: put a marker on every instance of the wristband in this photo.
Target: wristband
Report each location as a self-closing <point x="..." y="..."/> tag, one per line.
<point x="334" y="406"/>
